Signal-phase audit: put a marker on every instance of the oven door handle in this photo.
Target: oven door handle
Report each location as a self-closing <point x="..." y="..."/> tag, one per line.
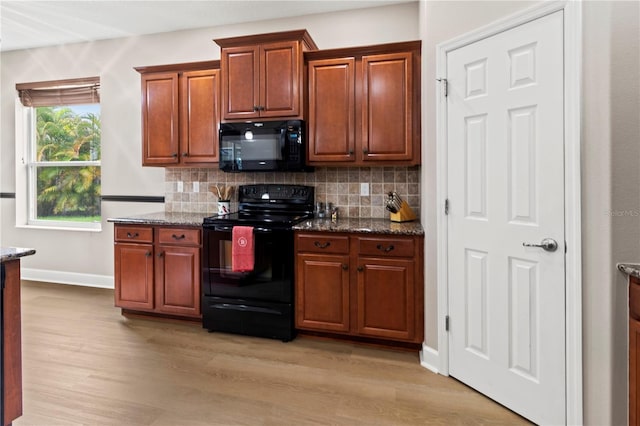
<point x="245" y="308"/>
<point x="230" y="228"/>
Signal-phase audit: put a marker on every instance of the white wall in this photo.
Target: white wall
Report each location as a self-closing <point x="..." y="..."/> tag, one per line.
<point x="113" y="61"/>
<point x="610" y="179"/>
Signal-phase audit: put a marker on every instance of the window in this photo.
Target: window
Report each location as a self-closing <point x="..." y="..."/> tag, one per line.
<point x="60" y="154"/>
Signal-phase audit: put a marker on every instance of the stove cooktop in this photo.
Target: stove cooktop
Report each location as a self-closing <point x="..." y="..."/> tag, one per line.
<point x="268" y="205"/>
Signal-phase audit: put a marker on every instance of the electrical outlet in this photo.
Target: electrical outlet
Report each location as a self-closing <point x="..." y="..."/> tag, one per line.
<point x="364" y="189"/>
<point x="196" y="186"/>
<point x="180" y="186"/>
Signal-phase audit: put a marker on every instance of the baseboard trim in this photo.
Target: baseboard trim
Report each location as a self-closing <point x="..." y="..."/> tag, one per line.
<point x="63" y="277"/>
<point x="429" y="358"/>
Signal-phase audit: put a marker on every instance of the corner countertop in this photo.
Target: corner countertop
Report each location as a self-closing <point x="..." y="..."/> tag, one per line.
<point x="11" y="253"/>
<point x="162" y="218"/>
<point x="631" y="269"/>
<point x="361" y="225"/>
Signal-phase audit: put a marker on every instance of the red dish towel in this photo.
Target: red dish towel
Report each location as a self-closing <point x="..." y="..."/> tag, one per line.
<point x="242" y="257"/>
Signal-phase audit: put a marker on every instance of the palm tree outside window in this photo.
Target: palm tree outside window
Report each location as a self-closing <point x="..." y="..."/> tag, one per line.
<point x="63" y="150"/>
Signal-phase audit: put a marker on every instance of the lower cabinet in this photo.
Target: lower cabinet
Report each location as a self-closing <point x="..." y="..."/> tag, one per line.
<point x="157" y="269"/>
<point x="634" y="351"/>
<point x="364" y="286"/>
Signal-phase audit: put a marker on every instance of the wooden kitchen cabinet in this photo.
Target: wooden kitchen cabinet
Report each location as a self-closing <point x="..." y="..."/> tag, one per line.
<point x="360" y="286"/>
<point x="263" y="75"/>
<point x="157" y="269"/>
<point x="364" y="105"/>
<point x="634" y="351"/>
<point x="322" y="282"/>
<point x="180" y="114"/>
<point x="386" y="290"/>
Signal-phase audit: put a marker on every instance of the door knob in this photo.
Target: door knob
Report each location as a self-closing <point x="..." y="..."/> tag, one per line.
<point x="548" y="244"/>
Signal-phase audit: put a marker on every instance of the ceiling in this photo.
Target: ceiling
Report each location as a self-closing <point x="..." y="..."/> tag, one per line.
<point x="27" y="24"/>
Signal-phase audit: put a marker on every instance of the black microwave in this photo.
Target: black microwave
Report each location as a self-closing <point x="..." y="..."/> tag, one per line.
<point x="263" y="146"/>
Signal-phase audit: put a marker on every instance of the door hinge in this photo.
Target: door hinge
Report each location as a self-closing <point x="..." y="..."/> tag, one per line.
<point x="445" y="84"/>
<point x="446" y="323"/>
<point x="446" y="206"/>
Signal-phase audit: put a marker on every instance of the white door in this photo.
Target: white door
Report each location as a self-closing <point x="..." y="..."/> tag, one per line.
<point x="505" y="188"/>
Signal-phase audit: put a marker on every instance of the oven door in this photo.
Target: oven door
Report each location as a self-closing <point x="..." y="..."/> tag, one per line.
<point x="271" y="280"/>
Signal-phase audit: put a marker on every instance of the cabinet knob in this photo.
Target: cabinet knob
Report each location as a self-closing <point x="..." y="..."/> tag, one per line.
<point x="350" y="152"/>
<point x="148" y="254"/>
<point x="256" y="108"/>
<point x="365" y="151"/>
<point x="345" y="266"/>
<point x="385" y="249"/>
<point x="174" y="155"/>
<point x="134" y="235"/>
<point x="360" y="269"/>
<point x="185" y="154"/>
<point x="161" y="254"/>
<point x="322" y="245"/>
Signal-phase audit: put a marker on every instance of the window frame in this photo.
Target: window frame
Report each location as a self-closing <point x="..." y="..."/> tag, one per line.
<point x="26" y="175"/>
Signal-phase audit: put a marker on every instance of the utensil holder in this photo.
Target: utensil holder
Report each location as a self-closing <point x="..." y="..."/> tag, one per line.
<point x="405" y="214"/>
<point x="224" y="207"/>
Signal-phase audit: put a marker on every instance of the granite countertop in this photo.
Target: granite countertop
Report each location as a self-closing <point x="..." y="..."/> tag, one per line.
<point x="11" y="253"/>
<point x="162" y="218"/>
<point x="631" y="269"/>
<point x="361" y="225"/>
<point x="358" y="225"/>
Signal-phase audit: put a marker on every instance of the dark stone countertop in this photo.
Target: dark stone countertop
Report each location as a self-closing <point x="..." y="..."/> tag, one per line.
<point x="631" y="269"/>
<point x="361" y="225"/>
<point x="162" y="218"/>
<point x="11" y="253"/>
<point x="354" y="225"/>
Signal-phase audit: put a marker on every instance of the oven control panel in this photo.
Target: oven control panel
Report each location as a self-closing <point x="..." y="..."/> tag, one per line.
<point x="285" y="193"/>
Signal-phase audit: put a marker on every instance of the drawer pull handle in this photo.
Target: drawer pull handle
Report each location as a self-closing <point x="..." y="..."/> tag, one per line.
<point x="345" y="266"/>
<point x="178" y="237"/>
<point x="134" y="235"/>
<point x="385" y="249"/>
<point x="322" y="245"/>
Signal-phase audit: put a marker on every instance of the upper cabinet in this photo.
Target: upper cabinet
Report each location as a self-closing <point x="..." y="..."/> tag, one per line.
<point x="364" y="105"/>
<point x="180" y="114"/>
<point x="263" y="75"/>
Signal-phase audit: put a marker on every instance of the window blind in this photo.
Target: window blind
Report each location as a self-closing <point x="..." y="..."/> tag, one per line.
<point x="60" y="92"/>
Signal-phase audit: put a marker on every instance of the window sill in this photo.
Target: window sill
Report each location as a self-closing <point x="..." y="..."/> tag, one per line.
<point x="61" y="228"/>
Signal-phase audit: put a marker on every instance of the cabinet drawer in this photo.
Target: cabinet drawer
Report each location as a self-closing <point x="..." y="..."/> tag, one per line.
<point x="134" y="234"/>
<point x="323" y="243"/>
<point x="179" y="236"/>
<point x="393" y="247"/>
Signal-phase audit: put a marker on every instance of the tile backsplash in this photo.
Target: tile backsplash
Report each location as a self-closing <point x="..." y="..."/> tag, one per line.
<point x="340" y="186"/>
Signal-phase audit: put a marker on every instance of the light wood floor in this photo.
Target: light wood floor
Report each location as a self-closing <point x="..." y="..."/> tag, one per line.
<point x="84" y="363"/>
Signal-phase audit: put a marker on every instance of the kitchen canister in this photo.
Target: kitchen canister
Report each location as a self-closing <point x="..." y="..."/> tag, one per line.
<point x="224" y="207"/>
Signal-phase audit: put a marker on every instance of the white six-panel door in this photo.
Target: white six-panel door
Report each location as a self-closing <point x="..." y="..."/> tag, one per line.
<point x="505" y="176"/>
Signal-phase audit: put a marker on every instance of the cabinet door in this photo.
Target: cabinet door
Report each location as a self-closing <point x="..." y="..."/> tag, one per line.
<point x="178" y="280"/>
<point x="322" y="292"/>
<point x="199" y="116"/>
<point x="240" y="82"/>
<point x="332" y="110"/>
<point x="134" y="276"/>
<point x="387" y="107"/>
<point x="280" y="79"/>
<point x="385" y="294"/>
<point x="160" y="134"/>
<point x="634" y="370"/>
